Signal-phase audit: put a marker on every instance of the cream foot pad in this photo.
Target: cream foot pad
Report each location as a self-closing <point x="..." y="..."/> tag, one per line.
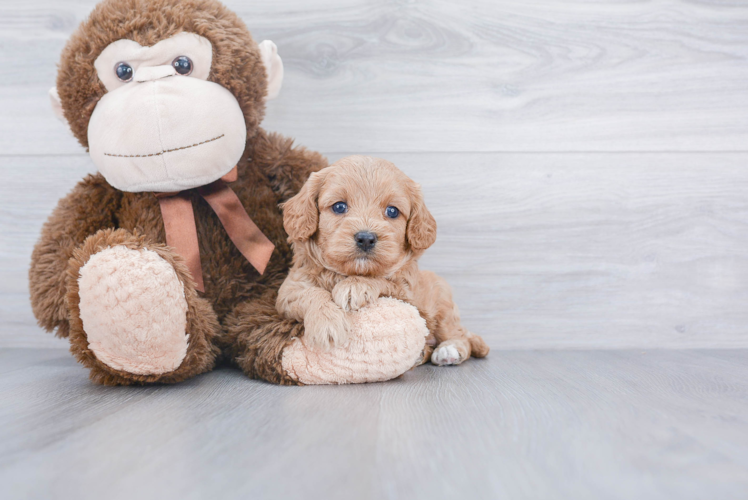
<point x="386" y="340"/>
<point x="134" y="311"/>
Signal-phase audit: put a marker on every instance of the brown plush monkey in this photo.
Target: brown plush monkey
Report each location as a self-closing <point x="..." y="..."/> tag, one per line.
<point x="168" y="95"/>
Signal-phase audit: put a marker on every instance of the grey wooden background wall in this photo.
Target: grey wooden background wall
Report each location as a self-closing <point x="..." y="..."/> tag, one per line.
<point x="587" y="162"/>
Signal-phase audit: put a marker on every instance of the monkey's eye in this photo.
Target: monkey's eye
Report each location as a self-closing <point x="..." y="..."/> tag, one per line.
<point x="183" y="65"/>
<point x="392" y="212"/>
<point x="340" y="207"/>
<point x="124" y="71"/>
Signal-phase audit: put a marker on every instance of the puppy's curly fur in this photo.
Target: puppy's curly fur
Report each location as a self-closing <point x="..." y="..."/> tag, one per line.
<point x="335" y="272"/>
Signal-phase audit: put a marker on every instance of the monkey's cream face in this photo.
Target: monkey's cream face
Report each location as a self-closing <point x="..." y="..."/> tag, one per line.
<point x="162" y="126"/>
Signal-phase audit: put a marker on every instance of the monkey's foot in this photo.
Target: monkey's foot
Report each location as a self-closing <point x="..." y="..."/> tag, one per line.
<point x="134" y="314"/>
<point x="386" y="339"/>
<point x="134" y="311"/>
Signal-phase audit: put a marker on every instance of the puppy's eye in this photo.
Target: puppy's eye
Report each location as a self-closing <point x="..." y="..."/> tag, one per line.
<point x="392" y="212"/>
<point x="340" y="207"/>
<point x="123" y="71"/>
<point x="183" y="65"/>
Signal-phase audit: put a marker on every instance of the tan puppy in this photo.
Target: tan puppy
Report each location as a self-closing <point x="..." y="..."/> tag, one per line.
<point x="358" y="228"/>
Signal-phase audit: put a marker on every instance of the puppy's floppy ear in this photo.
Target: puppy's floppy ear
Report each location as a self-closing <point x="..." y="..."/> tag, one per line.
<point x="421" y="230"/>
<point x="300" y="213"/>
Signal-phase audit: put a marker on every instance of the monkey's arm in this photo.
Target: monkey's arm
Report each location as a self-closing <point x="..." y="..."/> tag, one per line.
<point x="286" y="167"/>
<point x="89" y="207"/>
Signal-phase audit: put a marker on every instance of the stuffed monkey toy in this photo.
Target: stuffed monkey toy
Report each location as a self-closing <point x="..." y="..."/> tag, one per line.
<point x="168" y="260"/>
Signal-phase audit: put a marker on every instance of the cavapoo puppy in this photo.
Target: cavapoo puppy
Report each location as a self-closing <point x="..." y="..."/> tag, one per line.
<point x="358" y="228"/>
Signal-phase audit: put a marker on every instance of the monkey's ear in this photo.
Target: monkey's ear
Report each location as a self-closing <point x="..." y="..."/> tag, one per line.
<point x="273" y="67"/>
<point x="54" y="99"/>
<point x="301" y="213"/>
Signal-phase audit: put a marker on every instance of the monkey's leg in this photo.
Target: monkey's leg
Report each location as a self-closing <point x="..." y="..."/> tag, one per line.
<point x="387" y="339"/>
<point x="257" y="335"/>
<point x="135" y="317"/>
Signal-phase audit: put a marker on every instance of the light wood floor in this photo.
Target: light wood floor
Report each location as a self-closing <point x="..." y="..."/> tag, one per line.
<point x="521" y="424"/>
<point x="587" y="164"/>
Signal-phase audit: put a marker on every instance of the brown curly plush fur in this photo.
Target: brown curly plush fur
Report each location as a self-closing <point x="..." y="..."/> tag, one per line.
<point x="236" y="315"/>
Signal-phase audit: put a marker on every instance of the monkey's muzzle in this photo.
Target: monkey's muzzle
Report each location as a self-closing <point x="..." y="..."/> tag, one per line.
<point x="166" y="133"/>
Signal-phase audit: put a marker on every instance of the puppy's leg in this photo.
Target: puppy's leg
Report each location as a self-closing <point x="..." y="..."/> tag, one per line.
<point x="468" y="345"/>
<point x="354" y="292"/>
<point x="451" y="352"/>
<point x="454" y="343"/>
<point x="325" y="324"/>
<point x="428" y="350"/>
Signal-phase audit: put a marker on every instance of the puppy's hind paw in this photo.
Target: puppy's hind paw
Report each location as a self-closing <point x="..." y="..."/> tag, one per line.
<point x="424" y="356"/>
<point x="446" y="355"/>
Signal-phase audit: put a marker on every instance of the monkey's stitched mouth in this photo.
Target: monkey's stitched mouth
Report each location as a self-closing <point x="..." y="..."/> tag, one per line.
<point x="167" y="150"/>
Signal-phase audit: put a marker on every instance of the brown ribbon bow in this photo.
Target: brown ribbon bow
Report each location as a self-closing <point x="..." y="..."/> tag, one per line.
<point x="181" y="232"/>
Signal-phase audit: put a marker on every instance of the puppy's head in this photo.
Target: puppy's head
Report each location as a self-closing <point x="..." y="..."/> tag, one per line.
<point x="360" y="216"/>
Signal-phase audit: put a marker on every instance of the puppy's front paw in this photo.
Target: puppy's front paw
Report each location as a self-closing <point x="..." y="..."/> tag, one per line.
<point x="326" y="327"/>
<point x="449" y="353"/>
<point x="353" y="294"/>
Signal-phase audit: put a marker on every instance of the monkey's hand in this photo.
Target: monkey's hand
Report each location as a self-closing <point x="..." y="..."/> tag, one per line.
<point x="354" y="292"/>
<point x="325" y="327"/>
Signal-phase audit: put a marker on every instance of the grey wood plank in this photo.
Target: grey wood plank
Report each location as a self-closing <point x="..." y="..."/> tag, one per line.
<point x="519" y="424"/>
<point x="477" y="75"/>
<point x="570" y="425"/>
<point x="542" y="250"/>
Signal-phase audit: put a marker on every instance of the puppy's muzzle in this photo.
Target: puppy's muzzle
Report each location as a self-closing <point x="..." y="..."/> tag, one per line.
<point x="365" y="240"/>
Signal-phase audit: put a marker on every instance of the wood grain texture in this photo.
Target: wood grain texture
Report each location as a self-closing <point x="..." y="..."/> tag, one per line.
<point x="567" y="250"/>
<point x="519" y="424"/>
<point x="477" y="75"/>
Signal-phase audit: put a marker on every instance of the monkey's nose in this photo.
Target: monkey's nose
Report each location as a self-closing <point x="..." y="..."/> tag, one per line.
<point x="365" y="240"/>
<point x="150" y="73"/>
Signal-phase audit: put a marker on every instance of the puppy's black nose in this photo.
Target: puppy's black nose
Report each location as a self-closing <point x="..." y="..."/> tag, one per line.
<point x="365" y="240"/>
